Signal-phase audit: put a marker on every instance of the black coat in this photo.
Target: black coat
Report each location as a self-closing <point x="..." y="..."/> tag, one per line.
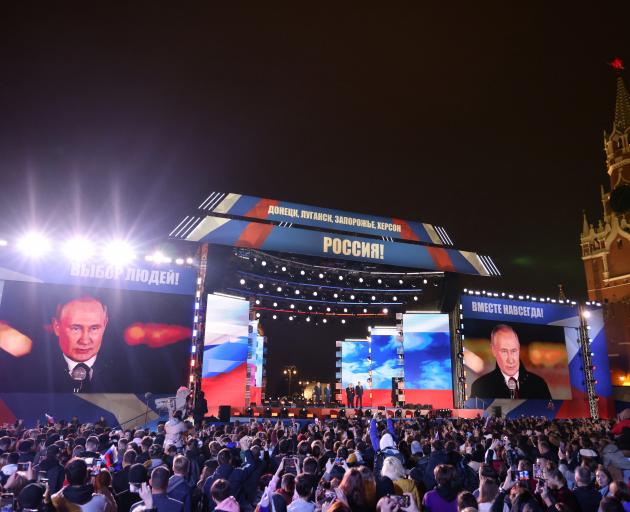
<point x="492" y="385"/>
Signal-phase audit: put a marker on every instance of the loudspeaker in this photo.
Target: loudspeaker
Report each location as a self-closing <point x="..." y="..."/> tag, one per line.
<point x="224" y="413"/>
<point x="497" y="411"/>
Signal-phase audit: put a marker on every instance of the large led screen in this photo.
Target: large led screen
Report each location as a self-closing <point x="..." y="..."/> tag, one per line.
<point x="224" y="371"/>
<point x="64" y="339"/>
<point x="427" y="348"/>
<point x="256" y="361"/>
<point x="355" y="367"/>
<point x="386" y="363"/>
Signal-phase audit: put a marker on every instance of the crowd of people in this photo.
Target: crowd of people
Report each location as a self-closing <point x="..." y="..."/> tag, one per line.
<point x="357" y="464"/>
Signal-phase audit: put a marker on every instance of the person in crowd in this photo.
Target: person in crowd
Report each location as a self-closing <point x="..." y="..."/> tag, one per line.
<point x="444" y="497"/>
<point x="179" y="487"/>
<point x="158" y="483"/>
<point x="358" y="395"/>
<point x="52" y="469"/>
<point x="103" y="486"/>
<point x="32" y="497"/>
<point x="79" y="490"/>
<point x="437" y="458"/>
<point x="304" y="491"/>
<point x="554" y="490"/>
<point x="175" y="428"/>
<point x="585" y="491"/>
<point x="466" y="501"/>
<point x="603" y="479"/>
<point x="394" y="470"/>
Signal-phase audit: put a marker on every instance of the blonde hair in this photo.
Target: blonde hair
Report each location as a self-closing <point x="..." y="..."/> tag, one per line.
<point x="393" y="469"/>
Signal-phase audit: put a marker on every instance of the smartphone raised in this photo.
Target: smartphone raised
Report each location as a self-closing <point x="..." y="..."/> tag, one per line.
<point x="7" y="502"/>
<point x="23" y="467"/>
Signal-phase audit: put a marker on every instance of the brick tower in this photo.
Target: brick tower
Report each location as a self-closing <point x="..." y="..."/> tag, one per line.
<point x="606" y="246"/>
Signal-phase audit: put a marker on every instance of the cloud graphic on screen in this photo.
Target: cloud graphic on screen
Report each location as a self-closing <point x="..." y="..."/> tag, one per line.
<point x="429" y="375"/>
<point x="382" y="374"/>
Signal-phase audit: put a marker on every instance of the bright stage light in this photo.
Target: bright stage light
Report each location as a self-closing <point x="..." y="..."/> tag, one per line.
<point x="385" y="310"/>
<point x="292" y="306"/>
<point x="340" y="278"/>
<point x="264" y="263"/>
<point x="3" y="243"/>
<point x="379" y="281"/>
<point x="324" y="320"/>
<point x="34" y="245"/>
<point x="425" y="281"/>
<point x="365" y="310"/>
<point x="310" y="308"/>
<point x="189" y="261"/>
<point x="302" y="272"/>
<point x="290" y="318"/>
<point x="297" y="292"/>
<point x="275" y="317"/>
<point x="179" y="261"/>
<point x="394" y="298"/>
<point x="400" y="281"/>
<point x="345" y="310"/>
<point x="242" y="281"/>
<point x="351" y="297"/>
<point x="308" y="318"/>
<point x="257" y="315"/>
<point x="335" y="295"/>
<point x="257" y="301"/>
<point x="373" y="297"/>
<point x="284" y="269"/>
<point x="118" y="252"/>
<point x="279" y="288"/>
<point x="328" y="310"/>
<point x="360" y="279"/>
<point x="78" y="249"/>
<point x="343" y="320"/>
<point x="321" y="276"/>
<point x="261" y="286"/>
<point x="415" y="297"/>
<point x="275" y="304"/>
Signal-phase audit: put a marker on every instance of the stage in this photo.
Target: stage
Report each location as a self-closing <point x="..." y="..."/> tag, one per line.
<point x="286" y="412"/>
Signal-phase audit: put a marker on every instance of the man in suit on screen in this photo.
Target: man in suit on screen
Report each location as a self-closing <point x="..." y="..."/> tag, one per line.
<point x="510" y="378"/>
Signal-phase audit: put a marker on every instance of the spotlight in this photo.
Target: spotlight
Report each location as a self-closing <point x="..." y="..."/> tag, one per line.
<point x="324" y="320"/>
<point x="261" y="286"/>
<point x="345" y="310"/>
<point x="328" y="310"/>
<point x="335" y="295"/>
<point x="340" y="278"/>
<point x="310" y="308"/>
<point x="415" y="297"/>
<point x="385" y="310"/>
<point x="189" y="261"/>
<point x="308" y="318"/>
<point x="292" y="306"/>
<point x="586" y="314"/>
<point x="379" y="281"/>
<point x="302" y="272"/>
<point x="365" y="310"/>
<point x="275" y="317"/>
<point x="257" y="315"/>
<point x="3" y="243"/>
<point x="78" y="249"/>
<point x="297" y="292"/>
<point x="425" y="281"/>
<point x="291" y="318"/>
<point x="242" y="281"/>
<point x="279" y="288"/>
<point x="257" y="302"/>
<point x="314" y="294"/>
<point x="284" y="269"/>
<point x="275" y="304"/>
<point x="360" y="279"/>
<point x="394" y="298"/>
<point x="321" y="276"/>
<point x="179" y="261"/>
<point x="373" y="297"/>
<point x="264" y="263"/>
<point x="400" y="281"/>
<point x="118" y="252"/>
<point x="34" y="245"/>
<point x="351" y="297"/>
<point x="343" y="320"/>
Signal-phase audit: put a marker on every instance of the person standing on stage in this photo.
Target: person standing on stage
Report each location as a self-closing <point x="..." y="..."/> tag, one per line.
<point x="358" y="396"/>
<point x="350" y="395"/>
<point x="327" y="394"/>
<point x="317" y="393"/>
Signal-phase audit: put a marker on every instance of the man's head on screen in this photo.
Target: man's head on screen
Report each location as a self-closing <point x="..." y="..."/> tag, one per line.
<point x="80" y="325"/>
<point x="506" y="349"/>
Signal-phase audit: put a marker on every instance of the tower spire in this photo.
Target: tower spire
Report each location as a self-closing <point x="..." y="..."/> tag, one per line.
<point x="622" y="104"/>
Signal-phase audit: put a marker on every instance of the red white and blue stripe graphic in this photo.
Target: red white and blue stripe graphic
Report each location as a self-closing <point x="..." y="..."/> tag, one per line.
<point x="287" y="214"/>
<point x="270" y="237"/>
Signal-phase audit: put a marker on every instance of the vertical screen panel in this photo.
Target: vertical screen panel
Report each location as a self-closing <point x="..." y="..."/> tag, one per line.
<point x="386" y="364"/>
<point x="224" y="374"/>
<point x="428" y="369"/>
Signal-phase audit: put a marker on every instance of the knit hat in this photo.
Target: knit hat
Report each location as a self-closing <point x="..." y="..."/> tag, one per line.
<point x="31" y="496"/>
<point x="386" y="441"/>
<point x="138" y="474"/>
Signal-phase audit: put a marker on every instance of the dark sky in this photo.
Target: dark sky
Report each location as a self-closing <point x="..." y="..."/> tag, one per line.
<point x="488" y="121"/>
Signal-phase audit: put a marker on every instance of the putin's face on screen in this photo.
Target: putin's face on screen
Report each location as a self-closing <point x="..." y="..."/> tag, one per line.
<point x="80" y="325"/>
<point x="506" y="349"/>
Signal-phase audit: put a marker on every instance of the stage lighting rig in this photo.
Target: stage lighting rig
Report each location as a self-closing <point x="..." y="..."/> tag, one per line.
<point x="119" y="252"/>
<point x="34" y="245"/>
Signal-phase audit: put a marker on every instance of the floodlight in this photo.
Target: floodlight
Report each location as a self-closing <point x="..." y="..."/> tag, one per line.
<point x="190" y="261"/>
<point x="242" y="281"/>
<point x="34" y="245"/>
<point x="78" y="249"/>
<point x="385" y="310"/>
<point x="118" y="252"/>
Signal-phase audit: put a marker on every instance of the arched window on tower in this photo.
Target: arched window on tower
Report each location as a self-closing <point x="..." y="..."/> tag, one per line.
<point x="619" y="243"/>
<point x="619" y="143"/>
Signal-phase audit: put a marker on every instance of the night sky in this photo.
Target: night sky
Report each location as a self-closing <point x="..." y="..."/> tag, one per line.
<point x="487" y="121"/>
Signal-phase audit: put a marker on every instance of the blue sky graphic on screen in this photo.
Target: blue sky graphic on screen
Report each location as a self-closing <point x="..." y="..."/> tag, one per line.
<point x="355" y="362"/>
<point x="427" y="351"/>
<point x="384" y="358"/>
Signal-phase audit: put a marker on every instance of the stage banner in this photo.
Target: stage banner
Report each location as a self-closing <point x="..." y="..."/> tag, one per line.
<point x="250" y="207"/>
<point x="427" y="349"/>
<point x="256" y="235"/>
<point x="538" y="345"/>
<point x="136" y="276"/>
<point x="224" y="370"/>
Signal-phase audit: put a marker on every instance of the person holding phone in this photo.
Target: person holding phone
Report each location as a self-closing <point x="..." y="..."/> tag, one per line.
<point x="51" y="468"/>
<point x="79" y="490"/>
